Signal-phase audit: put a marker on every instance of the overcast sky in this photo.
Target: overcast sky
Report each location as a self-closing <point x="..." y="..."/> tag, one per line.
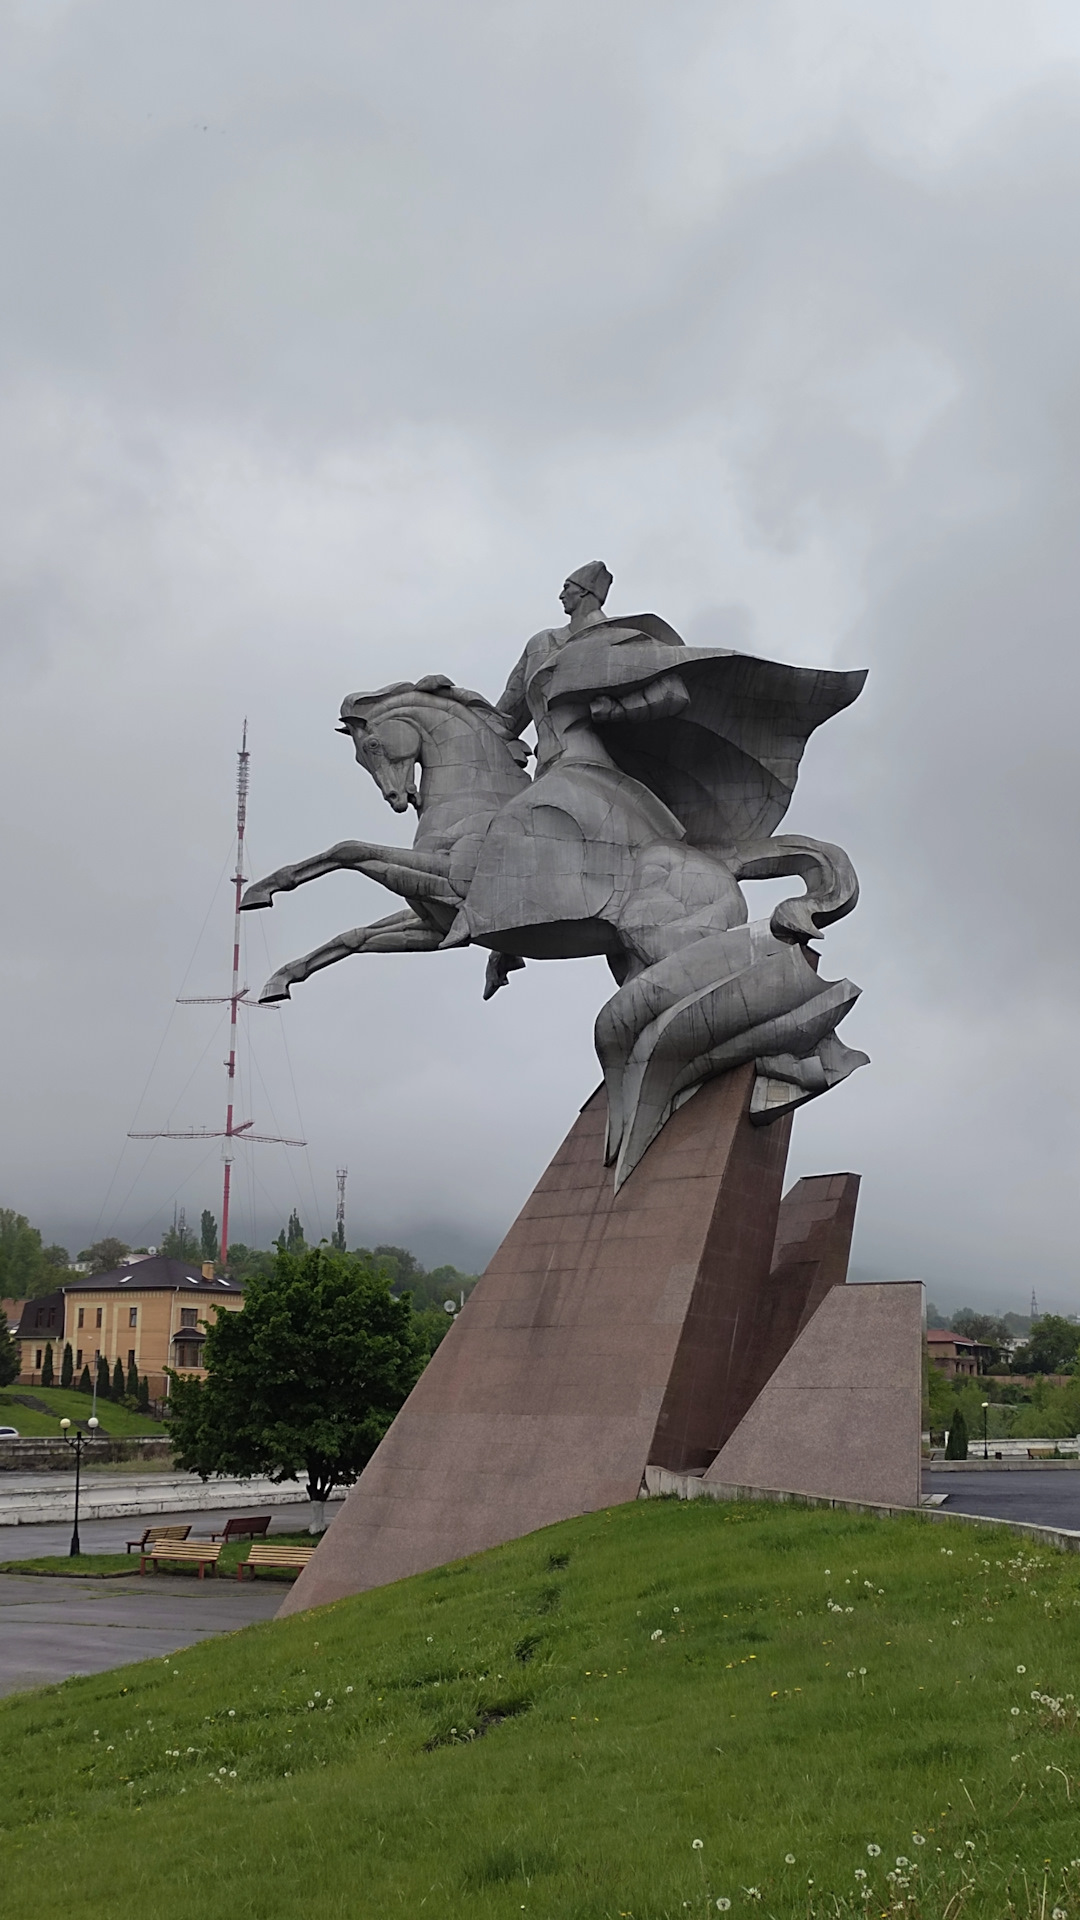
<point x="331" y="338"/>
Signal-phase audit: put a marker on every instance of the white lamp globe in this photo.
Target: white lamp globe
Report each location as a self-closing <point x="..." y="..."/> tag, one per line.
<point x="64" y="1425"/>
<point x="93" y="1421"/>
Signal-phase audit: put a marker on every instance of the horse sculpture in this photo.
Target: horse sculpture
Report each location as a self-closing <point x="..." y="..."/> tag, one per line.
<point x="588" y="858"/>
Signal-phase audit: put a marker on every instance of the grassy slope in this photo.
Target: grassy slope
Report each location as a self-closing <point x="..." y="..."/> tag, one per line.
<point x="665" y="1673"/>
<point x="71" y="1405"/>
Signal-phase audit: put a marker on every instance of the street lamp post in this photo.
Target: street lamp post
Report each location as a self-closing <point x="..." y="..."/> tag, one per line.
<point x="78" y="1443"/>
<point x="986" y="1410"/>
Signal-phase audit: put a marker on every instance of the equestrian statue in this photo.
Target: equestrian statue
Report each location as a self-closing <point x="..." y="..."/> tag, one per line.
<point x="661" y="774"/>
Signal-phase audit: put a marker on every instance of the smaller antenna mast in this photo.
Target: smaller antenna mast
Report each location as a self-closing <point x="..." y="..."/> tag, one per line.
<point x="1034" y="1305"/>
<point x="339" y="1236"/>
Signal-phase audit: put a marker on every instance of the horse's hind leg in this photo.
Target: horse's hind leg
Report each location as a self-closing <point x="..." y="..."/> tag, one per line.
<point x="399" y="933"/>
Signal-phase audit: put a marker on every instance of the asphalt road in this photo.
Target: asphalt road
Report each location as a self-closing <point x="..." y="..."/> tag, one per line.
<point x="111" y="1536"/>
<point x="1050" y="1499"/>
<point x="52" y="1629"/>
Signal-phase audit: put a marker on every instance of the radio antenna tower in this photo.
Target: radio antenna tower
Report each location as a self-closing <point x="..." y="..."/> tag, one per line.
<point x="339" y="1231"/>
<point x="237" y="998"/>
<point x="1034" y="1305"/>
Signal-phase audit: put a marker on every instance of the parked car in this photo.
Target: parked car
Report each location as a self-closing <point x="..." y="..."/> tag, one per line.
<point x="9" y="1433"/>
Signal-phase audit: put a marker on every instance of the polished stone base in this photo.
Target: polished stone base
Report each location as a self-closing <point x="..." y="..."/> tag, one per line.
<point x="609" y="1330"/>
<point x="841" y="1415"/>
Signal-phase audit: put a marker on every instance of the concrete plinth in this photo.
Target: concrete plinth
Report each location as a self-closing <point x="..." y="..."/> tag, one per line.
<point x="609" y="1330"/>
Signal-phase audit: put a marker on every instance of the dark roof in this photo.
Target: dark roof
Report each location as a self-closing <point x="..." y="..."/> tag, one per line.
<point x="144" y="1276"/>
<point x="35" y="1324"/>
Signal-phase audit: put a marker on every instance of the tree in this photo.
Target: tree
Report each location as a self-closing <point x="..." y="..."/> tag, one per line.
<point x="132" y="1387"/>
<point x="86" y="1385"/>
<point x="179" y="1243"/>
<point x="1052" y="1346"/>
<point x="104" y="1390"/>
<point x="9" y="1354"/>
<point x="244" y="1260"/>
<point x="934" y="1316"/>
<point x="304" y="1379"/>
<point x="105" y="1254"/>
<point x="22" y="1266"/>
<point x="56" y="1257"/>
<point x="291" y="1238"/>
<point x="144" y="1394"/>
<point x="118" y="1379"/>
<point x="210" y="1241"/>
<point x="956" y="1446"/>
<point x="67" y="1366"/>
<point x="47" y="1377"/>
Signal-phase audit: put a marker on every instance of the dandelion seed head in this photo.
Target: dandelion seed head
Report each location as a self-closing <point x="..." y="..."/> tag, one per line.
<point x="1021" y="1669"/>
<point x="873" y="1850"/>
<point x="697" y="1845"/>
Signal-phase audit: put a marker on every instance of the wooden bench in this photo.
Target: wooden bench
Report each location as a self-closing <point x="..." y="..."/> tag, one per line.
<point x="154" y="1534"/>
<point x="243" y="1528"/>
<point x="266" y="1554"/>
<point x="188" y="1552"/>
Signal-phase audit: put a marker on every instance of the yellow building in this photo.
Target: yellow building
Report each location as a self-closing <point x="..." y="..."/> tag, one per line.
<point x="150" y="1314"/>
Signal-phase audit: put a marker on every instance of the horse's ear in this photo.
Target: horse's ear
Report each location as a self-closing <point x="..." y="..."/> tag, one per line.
<point x="434" y="683"/>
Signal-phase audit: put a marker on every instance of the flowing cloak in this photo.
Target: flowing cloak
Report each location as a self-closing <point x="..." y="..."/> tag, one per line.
<point x="726" y="766"/>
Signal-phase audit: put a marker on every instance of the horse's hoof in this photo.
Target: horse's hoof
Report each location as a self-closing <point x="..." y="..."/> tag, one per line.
<point x="276" y="988"/>
<point x="257" y="896"/>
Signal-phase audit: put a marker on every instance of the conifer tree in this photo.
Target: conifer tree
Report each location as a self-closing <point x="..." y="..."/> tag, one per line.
<point x="67" y="1366"/>
<point x="132" y="1388"/>
<point x="104" y="1389"/>
<point x="118" y="1379"/>
<point x="9" y="1355"/>
<point x="47" y="1376"/>
<point x="956" y="1447"/>
<point x="144" y="1394"/>
<point x="86" y="1385"/>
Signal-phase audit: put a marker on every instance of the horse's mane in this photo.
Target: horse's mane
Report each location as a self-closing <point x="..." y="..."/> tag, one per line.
<point x="435" y="683"/>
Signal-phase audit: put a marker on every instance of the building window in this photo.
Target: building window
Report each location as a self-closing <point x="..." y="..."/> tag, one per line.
<point x="187" y="1356"/>
<point x="97" y="1322"/>
<point x="189" y="1316"/>
<point x="133" y="1316"/>
<point x="131" y="1358"/>
<point x="78" y="1357"/>
<point x="39" y="1359"/>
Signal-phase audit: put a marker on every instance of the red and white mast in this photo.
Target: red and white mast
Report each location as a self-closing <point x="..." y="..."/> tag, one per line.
<point x="234" y="1000"/>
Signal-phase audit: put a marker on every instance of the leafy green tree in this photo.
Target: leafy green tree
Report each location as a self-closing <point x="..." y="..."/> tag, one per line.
<point x="86" y="1385"/>
<point x="104" y="1386"/>
<point x="179" y="1243"/>
<point x="209" y="1236"/>
<point x="1051" y="1347"/>
<point x="9" y="1354"/>
<point x="291" y="1238"/>
<point x="67" y="1366"/>
<point x="47" y="1375"/>
<point x="56" y="1257"/>
<point x="105" y="1254"/>
<point x="22" y="1264"/>
<point x="118" y="1379"/>
<point x="987" y="1328"/>
<point x="132" y="1387"/>
<point x="956" y="1446"/>
<point x="244" y="1260"/>
<point x="304" y="1379"/>
<point x="934" y="1316"/>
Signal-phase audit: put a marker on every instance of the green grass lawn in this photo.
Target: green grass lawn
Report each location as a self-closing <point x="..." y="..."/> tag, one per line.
<point x="652" y="1712"/>
<point x="97" y="1564"/>
<point x="68" y="1403"/>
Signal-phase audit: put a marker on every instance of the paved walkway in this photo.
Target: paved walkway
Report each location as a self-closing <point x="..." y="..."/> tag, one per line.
<point x="1046" y="1498"/>
<point x="112" y="1536"/>
<point x="52" y="1629"/>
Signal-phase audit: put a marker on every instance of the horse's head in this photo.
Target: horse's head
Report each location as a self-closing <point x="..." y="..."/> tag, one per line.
<point x="406" y="723"/>
<point x="387" y="742"/>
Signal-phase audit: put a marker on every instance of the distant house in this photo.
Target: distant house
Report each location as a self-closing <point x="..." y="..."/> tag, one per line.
<point x="150" y="1313"/>
<point x="953" y="1353"/>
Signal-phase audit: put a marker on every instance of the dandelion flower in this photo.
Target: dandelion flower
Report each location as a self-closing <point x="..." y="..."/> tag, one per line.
<point x="919" y="1839"/>
<point x="873" y="1850"/>
<point x="1014" y="1710"/>
<point x="232" y="1773"/>
<point x="232" y="1713"/>
<point x="676" y="1609"/>
<point x="723" y="1906"/>
<point x="902" y="1860"/>
<point x="697" y="1845"/>
<point x="860" y="1873"/>
<point x="1058" y="1914"/>
<point x="789" y="1859"/>
<point x="1021" y="1669"/>
<point x="862" y="1673"/>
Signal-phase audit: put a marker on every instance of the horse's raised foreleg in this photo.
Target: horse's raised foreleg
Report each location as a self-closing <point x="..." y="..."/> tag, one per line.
<point x="406" y="870"/>
<point x="401" y="932"/>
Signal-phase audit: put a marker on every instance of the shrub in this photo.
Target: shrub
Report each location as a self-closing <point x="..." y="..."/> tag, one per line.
<point x="956" y="1446"/>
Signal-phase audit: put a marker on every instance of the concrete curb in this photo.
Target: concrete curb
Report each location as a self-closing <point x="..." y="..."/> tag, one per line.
<point x="659" y="1483"/>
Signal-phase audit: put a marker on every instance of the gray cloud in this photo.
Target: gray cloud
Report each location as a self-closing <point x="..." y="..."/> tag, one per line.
<point x="328" y="344"/>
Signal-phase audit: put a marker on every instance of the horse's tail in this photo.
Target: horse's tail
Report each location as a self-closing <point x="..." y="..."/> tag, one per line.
<point x="832" y="886"/>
